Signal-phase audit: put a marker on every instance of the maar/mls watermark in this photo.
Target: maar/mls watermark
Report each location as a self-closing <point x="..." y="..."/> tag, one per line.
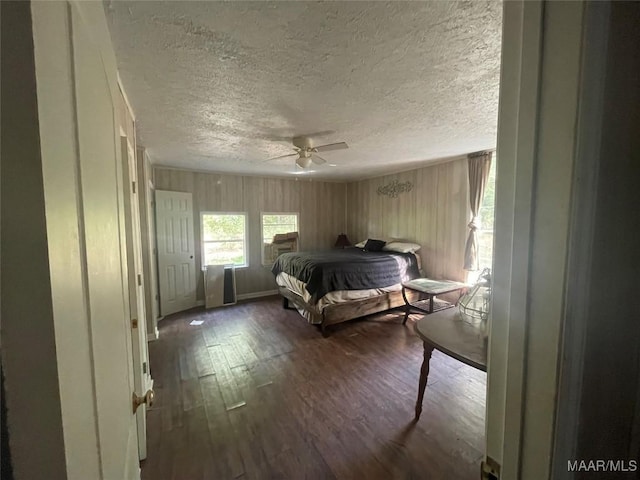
<point x="602" y="465"/>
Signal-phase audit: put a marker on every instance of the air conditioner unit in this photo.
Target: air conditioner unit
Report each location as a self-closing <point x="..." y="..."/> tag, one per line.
<point x="219" y="285"/>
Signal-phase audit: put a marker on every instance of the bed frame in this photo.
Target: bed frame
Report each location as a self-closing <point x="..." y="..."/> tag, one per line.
<point x="341" y="312"/>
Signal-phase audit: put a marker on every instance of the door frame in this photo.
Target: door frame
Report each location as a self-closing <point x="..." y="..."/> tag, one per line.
<point x="136" y="286"/>
<point x="540" y="222"/>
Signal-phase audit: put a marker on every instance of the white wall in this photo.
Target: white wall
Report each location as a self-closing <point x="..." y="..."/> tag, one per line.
<point x="28" y="345"/>
<point x="555" y="226"/>
<point x="64" y="378"/>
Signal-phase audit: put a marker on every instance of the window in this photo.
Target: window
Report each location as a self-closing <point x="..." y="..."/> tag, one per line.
<point x="485" y="234"/>
<point x="274" y="224"/>
<point x="224" y="239"/>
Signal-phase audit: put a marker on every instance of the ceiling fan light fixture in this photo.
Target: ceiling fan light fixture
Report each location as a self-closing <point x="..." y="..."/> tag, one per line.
<point x="307" y="153"/>
<point x="304" y="162"/>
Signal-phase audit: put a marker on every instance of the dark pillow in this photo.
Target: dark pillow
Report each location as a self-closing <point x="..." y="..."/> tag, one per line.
<point x="374" y="245"/>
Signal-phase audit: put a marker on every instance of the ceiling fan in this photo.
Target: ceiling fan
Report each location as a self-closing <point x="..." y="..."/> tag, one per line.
<point x="308" y="153"/>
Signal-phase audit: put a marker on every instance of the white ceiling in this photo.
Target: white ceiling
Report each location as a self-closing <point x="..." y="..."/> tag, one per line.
<point x="223" y="86"/>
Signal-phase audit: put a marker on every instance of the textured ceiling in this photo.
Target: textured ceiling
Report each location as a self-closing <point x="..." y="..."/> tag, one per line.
<point x="223" y="86"/>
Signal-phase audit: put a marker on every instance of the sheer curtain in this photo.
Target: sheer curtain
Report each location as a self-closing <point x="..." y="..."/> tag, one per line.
<point x="479" y="165"/>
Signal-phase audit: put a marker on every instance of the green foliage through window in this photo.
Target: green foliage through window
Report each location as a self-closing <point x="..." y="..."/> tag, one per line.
<point x="273" y="224"/>
<point x="278" y="223"/>
<point x="224" y="239"/>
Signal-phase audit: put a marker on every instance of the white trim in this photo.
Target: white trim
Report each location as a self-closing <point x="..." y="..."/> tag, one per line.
<point x="199" y="303"/>
<point x="248" y="296"/>
<point x="155" y="335"/>
<point x="538" y="122"/>
<point x="517" y="134"/>
<point x="124" y="96"/>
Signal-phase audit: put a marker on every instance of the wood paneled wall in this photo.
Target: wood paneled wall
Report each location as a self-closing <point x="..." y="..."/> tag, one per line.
<point x="434" y="214"/>
<point x="321" y="208"/>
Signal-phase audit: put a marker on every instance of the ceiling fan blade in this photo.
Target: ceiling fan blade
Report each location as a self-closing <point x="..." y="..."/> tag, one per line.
<point x="331" y="146"/>
<point x="281" y="156"/>
<point x="318" y="160"/>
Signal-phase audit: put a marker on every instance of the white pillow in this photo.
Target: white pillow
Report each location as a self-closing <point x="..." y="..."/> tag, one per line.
<point x="364" y="242"/>
<point x="401" y="247"/>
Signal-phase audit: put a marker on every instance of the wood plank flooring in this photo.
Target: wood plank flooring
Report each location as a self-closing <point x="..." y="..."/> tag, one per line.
<point x="255" y="392"/>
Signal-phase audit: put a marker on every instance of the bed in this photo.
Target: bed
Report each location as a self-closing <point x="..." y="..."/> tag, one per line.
<point x="334" y="286"/>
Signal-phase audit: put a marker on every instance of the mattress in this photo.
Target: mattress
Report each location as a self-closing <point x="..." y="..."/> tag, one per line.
<point x="351" y="269"/>
<point x="338" y="296"/>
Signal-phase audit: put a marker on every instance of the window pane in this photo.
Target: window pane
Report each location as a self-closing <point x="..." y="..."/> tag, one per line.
<point x="223" y="238"/>
<point x="487" y="211"/>
<point x="486" y="218"/>
<point x="218" y="253"/>
<point x="485" y="249"/>
<point x="273" y="224"/>
<point x="222" y="227"/>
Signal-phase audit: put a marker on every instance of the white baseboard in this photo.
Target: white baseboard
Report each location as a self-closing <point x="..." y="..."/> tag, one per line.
<point x="265" y="293"/>
<point x="154" y="335"/>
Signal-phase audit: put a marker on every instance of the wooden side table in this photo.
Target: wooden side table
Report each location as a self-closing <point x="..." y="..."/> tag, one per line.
<point x="448" y="332"/>
<point x="430" y="289"/>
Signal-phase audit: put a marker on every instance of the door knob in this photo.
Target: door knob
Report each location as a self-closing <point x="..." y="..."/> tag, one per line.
<point x="148" y="399"/>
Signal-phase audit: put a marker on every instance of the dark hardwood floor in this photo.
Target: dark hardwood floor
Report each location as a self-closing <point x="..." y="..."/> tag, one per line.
<point x="256" y="392"/>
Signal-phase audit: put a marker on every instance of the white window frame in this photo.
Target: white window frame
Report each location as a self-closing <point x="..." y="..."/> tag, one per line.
<point x="245" y="241"/>
<point x="262" y="242"/>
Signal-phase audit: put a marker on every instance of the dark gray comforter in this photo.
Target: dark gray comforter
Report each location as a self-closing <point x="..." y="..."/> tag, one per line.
<point x="349" y="269"/>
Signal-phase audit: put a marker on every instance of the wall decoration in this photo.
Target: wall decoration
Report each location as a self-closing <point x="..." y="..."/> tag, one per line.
<point x="395" y="188"/>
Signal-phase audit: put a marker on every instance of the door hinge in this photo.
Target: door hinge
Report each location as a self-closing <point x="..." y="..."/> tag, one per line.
<point x="133" y="187"/>
<point x="144" y="367"/>
<point x="139" y="280"/>
<point x="134" y="323"/>
<point x="490" y="469"/>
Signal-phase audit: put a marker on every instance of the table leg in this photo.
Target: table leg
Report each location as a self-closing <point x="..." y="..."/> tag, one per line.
<point x="407" y="307"/>
<point x="462" y="292"/>
<point x="424" y="373"/>
<point x="431" y="303"/>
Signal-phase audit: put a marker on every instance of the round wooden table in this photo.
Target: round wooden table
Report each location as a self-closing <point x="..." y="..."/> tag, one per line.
<point x="447" y="332"/>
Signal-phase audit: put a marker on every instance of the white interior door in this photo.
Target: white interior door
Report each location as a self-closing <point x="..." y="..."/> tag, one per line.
<point x="176" y="250"/>
<point x="141" y="374"/>
<point x="102" y="232"/>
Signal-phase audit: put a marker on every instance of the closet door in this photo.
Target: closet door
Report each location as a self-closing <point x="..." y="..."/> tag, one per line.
<point x="176" y="250"/>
